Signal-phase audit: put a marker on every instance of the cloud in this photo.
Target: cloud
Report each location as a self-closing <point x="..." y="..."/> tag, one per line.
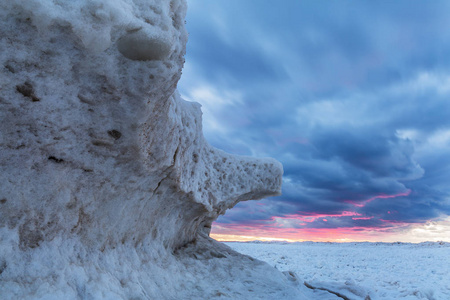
<point x="351" y="97"/>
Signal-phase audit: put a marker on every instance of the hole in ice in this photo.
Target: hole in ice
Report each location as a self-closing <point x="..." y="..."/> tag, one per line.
<point x="27" y="90"/>
<point x="140" y="46"/>
<point x="10" y="68"/>
<point x="115" y="134"/>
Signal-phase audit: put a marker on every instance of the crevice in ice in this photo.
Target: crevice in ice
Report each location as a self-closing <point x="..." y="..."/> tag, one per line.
<point x="3" y="266"/>
<point x="331" y="291"/>
<point x="56" y="160"/>
<point x="324" y="289"/>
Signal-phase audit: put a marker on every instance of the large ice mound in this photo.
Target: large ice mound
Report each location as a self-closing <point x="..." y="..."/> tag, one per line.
<point x="107" y="186"/>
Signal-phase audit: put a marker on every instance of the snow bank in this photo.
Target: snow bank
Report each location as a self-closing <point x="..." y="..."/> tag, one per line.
<point x="107" y="186"/>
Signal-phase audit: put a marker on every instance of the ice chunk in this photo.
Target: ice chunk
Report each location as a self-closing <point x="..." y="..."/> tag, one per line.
<point x="140" y="45"/>
<point x="104" y="171"/>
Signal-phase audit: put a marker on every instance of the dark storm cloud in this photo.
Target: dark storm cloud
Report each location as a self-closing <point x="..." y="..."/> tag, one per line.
<point x="352" y="98"/>
<point x="365" y="149"/>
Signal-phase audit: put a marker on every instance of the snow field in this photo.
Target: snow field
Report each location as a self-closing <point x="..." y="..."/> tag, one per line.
<point x="361" y="270"/>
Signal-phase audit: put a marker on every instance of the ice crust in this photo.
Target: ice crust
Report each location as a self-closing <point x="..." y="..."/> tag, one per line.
<point x="360" y="271"/>
<point x="107" y="187"/>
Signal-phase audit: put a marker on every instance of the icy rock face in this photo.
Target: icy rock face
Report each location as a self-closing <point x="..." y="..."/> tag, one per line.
<point x="101" y="160"/>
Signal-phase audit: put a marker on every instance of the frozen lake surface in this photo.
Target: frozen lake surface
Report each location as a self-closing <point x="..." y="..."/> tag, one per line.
<point x="360" y="270"/>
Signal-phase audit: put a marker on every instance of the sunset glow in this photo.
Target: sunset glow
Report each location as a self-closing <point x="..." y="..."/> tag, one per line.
<point x="402" y="232"/>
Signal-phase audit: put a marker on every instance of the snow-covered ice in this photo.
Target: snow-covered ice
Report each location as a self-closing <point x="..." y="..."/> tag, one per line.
<point x="360" y="270"/>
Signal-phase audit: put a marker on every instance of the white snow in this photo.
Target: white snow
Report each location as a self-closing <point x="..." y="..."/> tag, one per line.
<point x="361" y="270"/>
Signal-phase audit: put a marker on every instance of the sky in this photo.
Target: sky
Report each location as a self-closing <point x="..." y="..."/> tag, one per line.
<point x="352" y="97"/>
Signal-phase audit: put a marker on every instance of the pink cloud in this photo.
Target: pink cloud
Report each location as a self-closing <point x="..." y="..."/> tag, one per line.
<point x="382" y="196"/>
<point x="310" y="217"/>
<point x="362" y="218"/>
<point x="238" y="232"/>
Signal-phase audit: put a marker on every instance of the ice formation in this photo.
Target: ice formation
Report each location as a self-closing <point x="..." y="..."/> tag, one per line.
<point x="107" y="186"/>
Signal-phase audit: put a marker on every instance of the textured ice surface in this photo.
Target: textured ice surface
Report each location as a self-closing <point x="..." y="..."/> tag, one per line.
<point x="107" y="186"/>
<point x="361" y="271"/>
